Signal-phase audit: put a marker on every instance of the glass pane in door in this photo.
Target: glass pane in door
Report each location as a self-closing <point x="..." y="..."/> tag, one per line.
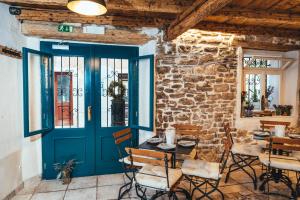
<point x="114" y="92"/>
<point x="69" y="92"/>
<point x="38" y="92"/>
<point x="144" y="92"/>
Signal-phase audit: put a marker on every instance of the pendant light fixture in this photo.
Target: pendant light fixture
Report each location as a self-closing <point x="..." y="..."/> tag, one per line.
<point x="88" y="7"/>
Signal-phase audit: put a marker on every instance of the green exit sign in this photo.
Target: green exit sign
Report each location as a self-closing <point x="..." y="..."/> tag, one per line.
<point x="65" y="28"/>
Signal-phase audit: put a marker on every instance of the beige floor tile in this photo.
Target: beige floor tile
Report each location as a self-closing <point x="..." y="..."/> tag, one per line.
<point x="113" y="179"/>
<point x="241" y="177"/>
<point x="22" y="197"/>
<point x="51" y="186"/>
<point x="235" y="189"/>
<point x="109" y="192"/>
<point x="83" y="182"/>
<point x="30" y="186"/>
<point x="133" y="194"/>
<point x="230" y="181"/>
<point x="49" y="196"/>
<point x="108" y="188"/>
<point x="250" y="187"/>
<point x="81" y="194"/>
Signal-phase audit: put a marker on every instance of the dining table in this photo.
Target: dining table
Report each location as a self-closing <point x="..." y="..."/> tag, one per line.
<point x="277" y="174"/>
<point x="178" y="150"/>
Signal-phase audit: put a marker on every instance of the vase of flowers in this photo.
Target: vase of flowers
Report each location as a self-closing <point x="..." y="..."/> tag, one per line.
<point x="249" y="109"/>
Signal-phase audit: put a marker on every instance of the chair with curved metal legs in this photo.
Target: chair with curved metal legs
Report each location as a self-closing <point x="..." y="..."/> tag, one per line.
<point x="243" y="157"/>
<point x="155" y="174"/>
<point x="281" y="162"/>
<point x="203" y="173"/>
<point x="122" y="138"/>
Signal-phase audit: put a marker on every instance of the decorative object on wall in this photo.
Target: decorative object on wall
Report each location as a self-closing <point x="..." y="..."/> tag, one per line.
<point x="14" y="10"/>
<point x="10" y="52"/>
<point x="65" y="171"/>
<point x="88" y="7"/>
<point x="117" y="90"/>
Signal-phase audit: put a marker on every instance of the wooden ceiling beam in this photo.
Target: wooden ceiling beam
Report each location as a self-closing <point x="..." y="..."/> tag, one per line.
<point x="60" y="16"/>
<point x="264" y="45"/>
<point x="114" y="36"/>
<point x="193" y="15"/>
<point x="248" y="30"/>
<point x="114" y="6"/>
<point x="245" y="16"/>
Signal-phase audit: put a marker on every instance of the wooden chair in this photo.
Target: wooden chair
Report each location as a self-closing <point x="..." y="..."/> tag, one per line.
<point x="268" y="125"/>
<point x="122" y="138"/>
<point x="203" y="173"/>
<point x="188" y="130"/>
<point x="279" y="159"/>
<point x="243" y="157"/>
<point x="155" y="174"/>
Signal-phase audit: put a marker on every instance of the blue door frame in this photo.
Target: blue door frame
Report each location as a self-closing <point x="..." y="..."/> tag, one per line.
<point x="92" y="146"/>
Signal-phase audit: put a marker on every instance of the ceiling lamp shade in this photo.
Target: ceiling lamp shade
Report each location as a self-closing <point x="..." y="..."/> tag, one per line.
<point x="87" y="7"/>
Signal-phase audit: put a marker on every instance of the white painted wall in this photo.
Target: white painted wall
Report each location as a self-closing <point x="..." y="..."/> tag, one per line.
<point x="150" y="47"/>
<point x="291" y="87"/>
<point x="20" y="159"/>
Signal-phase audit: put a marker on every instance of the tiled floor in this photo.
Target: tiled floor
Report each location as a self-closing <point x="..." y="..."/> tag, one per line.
<point x="106" y="187"/>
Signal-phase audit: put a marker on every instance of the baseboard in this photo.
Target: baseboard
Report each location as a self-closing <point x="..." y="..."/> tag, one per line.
<point x="19" y="188"/>
<point x="14" y="192"/>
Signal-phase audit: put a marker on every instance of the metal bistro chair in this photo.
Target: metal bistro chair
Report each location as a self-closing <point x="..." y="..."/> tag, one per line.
<point x="243" y="156"/>
<point x="203" y="173"/>
<point x="186" y="131"/>
<point x="155" y="174"/>
<point x="278" y="164"/>
<point x="122" y="138"/>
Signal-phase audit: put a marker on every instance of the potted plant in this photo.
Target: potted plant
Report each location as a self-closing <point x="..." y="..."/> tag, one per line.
<point x="288" y="110"/>
<point x="283" y="109"/>
<point x="65" y="171"/>
<point x="249" y="109"/>
<point x="278" y="109"/>
<point x="117" y="90"/>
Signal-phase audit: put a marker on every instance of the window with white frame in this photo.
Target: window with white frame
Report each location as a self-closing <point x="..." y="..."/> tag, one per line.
<point x="262" y="83"/>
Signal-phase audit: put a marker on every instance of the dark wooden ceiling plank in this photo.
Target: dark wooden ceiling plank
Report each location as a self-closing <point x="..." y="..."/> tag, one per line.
<point x="114" y="6"/>
<point x="287" y="5"/>
<point x="256" y="17"/>
<point x="248" y="30"/>
<point x="117" y="36"/>
<point x="67" y="16"/>
<point x="259" y="45"/>
<point x="196" y="13"/>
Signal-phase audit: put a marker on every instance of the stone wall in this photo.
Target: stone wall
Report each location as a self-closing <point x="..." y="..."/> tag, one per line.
<point x="196" y="83"/>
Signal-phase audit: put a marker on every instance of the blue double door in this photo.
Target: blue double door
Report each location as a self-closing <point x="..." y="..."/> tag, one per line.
<point x="95" y="93"/>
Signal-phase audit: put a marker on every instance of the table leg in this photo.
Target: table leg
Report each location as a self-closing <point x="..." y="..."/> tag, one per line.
<point x="174" y="160"/>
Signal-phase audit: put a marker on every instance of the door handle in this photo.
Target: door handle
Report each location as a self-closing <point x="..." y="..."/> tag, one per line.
<point x="89" y="113"/>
